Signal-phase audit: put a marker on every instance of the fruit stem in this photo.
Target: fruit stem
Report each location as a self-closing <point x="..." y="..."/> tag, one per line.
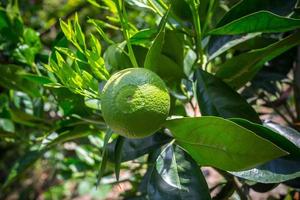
<point x="124" y="23"/>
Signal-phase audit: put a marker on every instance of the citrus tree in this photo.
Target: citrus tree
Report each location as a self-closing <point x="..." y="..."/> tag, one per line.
<point x="159" y="88"/>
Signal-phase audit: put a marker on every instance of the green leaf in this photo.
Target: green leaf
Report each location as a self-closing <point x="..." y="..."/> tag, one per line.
<point x="156" y="47"/>
<point x="7" y="125"/>
<point x="218" y="99"/>
<point x="281" y="140"/>
<point x="68" y="52"/>
<point x="161" y="63"/>
<point x="177" y="176"/>
<point x="66" y="29"/>
<point x="37" y="79"/>
<point x="30" y="46"/>
<point x="98" y="26"/>
<point x="104" y="157"/>
<point x="75" y="79"/>
<point x="279" y="170"/>
<point x="118" y="155"/>
<point x="263" y="187"/>
<point x="237" y="71"/>
<point x="80" y="38"/>
<point x="262" y="21"/>
<point x="289" y="133"/>
<point x="32" y="39"/>
<point x="115" y="58"/>
<point x="72" y="134"/>
<point x="135" y="148"/>
<point x="11" y="72"/>
<point x="221" y="143"/>
<point x="28" y="120"/>
<point x="12" y="27"/>
<point x="97" y="65"/>
<point x="143" y="37"/>
<point x="181" y="9"/>
<point x="20" y="167"/>
<point x="94" y="3"/>
<point x="220" y="44"/>
<point x="95" y="44"/>
<point x="69" y="103"/>
<point x="6" y="134"/>
<point x="246" y="7"/>
<point x="140" y="3"/>
<point x="173" y="46"/>
<point x="3" y="20"/>
<point x="276" y="171"/>
<point x="168" y="70"/>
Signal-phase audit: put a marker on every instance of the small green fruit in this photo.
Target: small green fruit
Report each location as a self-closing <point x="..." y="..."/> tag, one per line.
<point x="135" y="102"/>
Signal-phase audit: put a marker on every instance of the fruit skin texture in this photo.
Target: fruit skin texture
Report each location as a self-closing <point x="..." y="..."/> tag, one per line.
<point x="135" y="102"/>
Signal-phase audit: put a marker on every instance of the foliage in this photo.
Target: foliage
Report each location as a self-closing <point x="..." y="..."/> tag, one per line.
<point x="228" y="65"/>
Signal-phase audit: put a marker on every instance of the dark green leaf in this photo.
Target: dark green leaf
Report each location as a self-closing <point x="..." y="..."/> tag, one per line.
<point x="177" y="176"/>
<point x="240" y="69"/>
<point x="134" y="148"/>
<point x="221" y="143"/>
<point x="11" y="30"/>
<point x="295" y="183"/>
<point x="276" y="171"/>
<point x="246" y="7"/>
<point x="216" y="98"/>
<point x="3" y="20"/>
<point x="69" y="102"/>
<point x="143" y="37"/>
<point x="275" y="71"/>
<point x="104" y="157"/>
<point x="118" y="155"/>
<point x="262" y="187"/>
<point x="220" y="44"/>
<point x="261" y="21"/>
<point x="11" y="72"/>
<point x="181" y="9"/>
<point x="37" y="79"/>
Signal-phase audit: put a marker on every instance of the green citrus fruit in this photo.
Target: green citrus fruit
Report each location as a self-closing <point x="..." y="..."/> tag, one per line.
<point x="135" y="102"/>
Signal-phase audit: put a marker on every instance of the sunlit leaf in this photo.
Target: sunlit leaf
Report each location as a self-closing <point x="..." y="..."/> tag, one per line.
<point x="221" y="143"/>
